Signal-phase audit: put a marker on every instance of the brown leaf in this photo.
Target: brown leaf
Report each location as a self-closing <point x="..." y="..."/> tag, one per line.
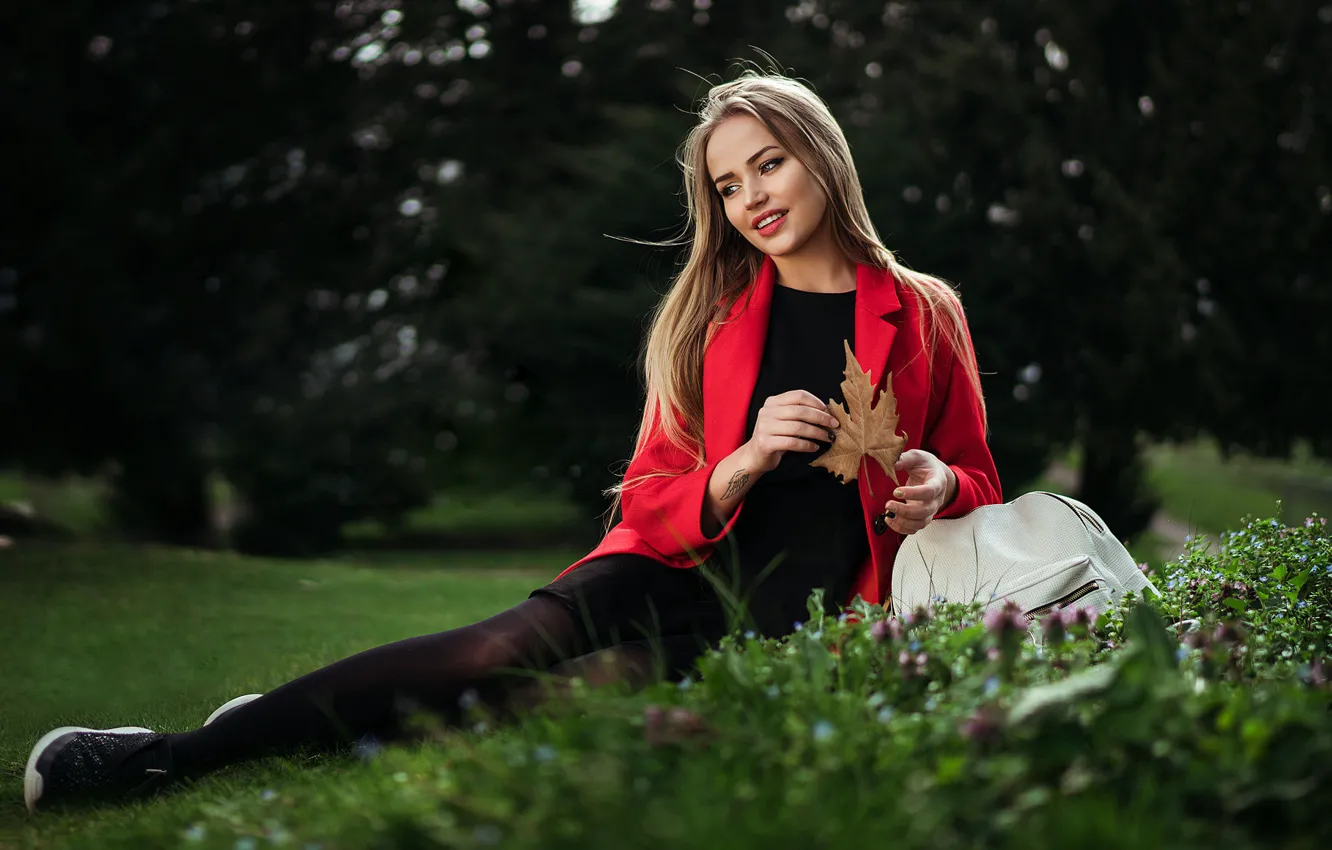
<point x="867" y="429"/>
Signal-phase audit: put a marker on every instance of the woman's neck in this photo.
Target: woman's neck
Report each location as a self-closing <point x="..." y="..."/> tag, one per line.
<point x="817" y="267"/>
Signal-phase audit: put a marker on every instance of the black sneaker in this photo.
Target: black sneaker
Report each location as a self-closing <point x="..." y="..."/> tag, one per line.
<point x="72" y="764"/>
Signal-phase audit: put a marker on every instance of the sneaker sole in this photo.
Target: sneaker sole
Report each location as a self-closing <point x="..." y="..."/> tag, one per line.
<point x="229" y="705"/>
<point x="33" y="783"/>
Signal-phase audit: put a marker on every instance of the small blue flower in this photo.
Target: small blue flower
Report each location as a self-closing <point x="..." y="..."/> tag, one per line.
<point x="772" y="691"/>
<point x="823" y="730"/>
<point x="686" y="683"/>
<point x="268" y="794"/>
<point x="798" y="625"/>
<point x="914" y="646"/>
<point x="544" y="752"/>
<point x="1302" y="603"/>
<point x="885" y="714"/>
<point x="367" y="748"/>
<point x="749" y="634"/>
<point x="1181" y="653"/>
<point x="991" y="685"/>
<point x="195" y="833"/>
<point x="245" y="842"/>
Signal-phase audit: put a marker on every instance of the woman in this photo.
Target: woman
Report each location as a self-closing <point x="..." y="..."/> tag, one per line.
<point x="719" y="503"/>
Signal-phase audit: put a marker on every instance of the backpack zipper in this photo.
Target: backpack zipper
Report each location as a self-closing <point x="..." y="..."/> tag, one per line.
<point x="1067" y="599"/>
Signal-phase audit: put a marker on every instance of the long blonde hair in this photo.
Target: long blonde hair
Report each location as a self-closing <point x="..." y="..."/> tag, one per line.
<point x="722" y="264"/>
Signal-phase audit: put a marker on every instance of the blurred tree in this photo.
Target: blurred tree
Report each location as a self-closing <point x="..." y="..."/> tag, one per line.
<point x="347" y="253"/>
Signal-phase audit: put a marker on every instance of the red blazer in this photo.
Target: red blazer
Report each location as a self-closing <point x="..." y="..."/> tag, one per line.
<point x="662" y="517"/>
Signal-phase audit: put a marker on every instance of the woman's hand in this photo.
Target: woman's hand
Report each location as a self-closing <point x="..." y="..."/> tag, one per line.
<point x="930" y="485"/>
<point x="790" y="422"/>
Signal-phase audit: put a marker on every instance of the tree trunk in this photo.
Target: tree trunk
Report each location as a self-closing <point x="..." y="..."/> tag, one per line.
<point x="1114" y="481"/>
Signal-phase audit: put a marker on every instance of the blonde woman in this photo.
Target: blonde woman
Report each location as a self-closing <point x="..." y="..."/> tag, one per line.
<point x="719" y="500"/>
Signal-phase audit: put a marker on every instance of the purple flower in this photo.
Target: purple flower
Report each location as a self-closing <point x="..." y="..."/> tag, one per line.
<point x="983" y="726"/>
<point x="879" y="630"/>
<point x="1006" y="618"/>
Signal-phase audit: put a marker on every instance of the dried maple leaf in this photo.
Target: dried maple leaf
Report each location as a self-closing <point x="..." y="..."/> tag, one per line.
<point x="867" y="429"/>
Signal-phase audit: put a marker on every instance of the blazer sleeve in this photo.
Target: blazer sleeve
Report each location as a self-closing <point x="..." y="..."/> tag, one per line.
<point x="957" y="435"/>
<point x="666" y="510"/>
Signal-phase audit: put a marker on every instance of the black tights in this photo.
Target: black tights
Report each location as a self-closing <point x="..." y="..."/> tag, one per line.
<point x="371" y="692"/>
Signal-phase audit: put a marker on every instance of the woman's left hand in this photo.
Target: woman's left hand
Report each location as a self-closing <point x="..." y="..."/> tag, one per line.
<point x="930" y="485"/>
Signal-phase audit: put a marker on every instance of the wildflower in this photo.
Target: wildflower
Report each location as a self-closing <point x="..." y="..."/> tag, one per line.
<point x="1005" y="619"/>
<point x="195" y="833"/>
<point x="245" y="842"/>
<point x="1052" y="626"/>
<point x="991" y="685"/>
<point x="268" y="794"/>
<point x="914" y="645"/>
<point x="983" y="726"/>
<point x="885" y="714"/>
<point x="879" y="631"/>
<point x="749" y="634"/>
<point x="468" y="700"/>
<point x="367" y="748"/>
<point x="673" y="726"/>
<point x="545" y="753"/>
<point x="1315" y="673"/>
<point x="823" y="731"/>
<point x="685" y="684"/>
<point x="773" y="692"/>
<point x="797" y="625"/>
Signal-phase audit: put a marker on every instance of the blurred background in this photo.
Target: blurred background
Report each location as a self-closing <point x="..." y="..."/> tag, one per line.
<point x="306" y="277"/>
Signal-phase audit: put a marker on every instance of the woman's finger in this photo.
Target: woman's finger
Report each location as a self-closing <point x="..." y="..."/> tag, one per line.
<point x="916" y="492"/>
<point x="804" y="413"/>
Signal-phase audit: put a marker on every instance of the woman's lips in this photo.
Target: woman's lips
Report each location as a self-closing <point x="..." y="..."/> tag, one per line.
<point x="774" y="227"/>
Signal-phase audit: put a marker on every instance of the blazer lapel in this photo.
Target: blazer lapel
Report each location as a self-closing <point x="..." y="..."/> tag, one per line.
<point x="731" y="367"/>
<point x="876" y="299"/>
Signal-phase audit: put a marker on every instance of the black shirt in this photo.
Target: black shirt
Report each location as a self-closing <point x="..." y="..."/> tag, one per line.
<point x="797" y="512"/>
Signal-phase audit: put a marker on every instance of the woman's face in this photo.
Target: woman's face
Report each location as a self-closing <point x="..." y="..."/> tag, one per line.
<point x="768" y="194"/>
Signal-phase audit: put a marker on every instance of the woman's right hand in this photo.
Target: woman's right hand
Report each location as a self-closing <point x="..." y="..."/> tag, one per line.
<point x="790" y="422"/>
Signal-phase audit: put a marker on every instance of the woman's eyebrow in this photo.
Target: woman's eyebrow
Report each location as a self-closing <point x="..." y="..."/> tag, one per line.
<point x="728" y="175"/>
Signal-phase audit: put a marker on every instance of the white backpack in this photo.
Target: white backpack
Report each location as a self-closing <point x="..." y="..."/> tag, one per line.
<point x="1041" y="550"/>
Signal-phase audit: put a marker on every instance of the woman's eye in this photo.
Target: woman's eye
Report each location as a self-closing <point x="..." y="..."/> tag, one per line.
<point x="727" y="191"/>
<point x="764" y="168"/>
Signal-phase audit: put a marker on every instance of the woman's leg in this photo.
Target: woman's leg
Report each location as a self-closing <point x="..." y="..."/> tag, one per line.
<point x="372" y="692"/>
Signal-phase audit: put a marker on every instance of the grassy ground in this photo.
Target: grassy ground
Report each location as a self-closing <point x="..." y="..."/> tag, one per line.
<point x="97" y="636"/>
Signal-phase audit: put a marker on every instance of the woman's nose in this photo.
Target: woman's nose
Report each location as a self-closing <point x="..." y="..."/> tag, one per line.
<point x="754" y="198"/>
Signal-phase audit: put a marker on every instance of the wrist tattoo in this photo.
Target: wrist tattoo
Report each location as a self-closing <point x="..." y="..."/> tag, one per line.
<point x="738" y="482"/>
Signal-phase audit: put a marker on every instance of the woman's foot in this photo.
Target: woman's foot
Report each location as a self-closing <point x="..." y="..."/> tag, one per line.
<point x="76" y="764"/>
<point x="229" y="705"/>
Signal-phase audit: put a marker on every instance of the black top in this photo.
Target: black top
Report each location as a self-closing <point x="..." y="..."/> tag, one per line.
<point x="797" y="511"/>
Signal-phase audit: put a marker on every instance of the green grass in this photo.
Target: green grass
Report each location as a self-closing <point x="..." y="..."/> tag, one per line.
<point x="1206" y="492"/>
<point x="478" y="515"/>
<point x="107" y="635"/>
<point x="74" y="503"/>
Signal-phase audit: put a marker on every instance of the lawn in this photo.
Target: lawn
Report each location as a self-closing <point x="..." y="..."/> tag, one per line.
<point x="945" y="730"/>
<point x="107" y="635"/>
